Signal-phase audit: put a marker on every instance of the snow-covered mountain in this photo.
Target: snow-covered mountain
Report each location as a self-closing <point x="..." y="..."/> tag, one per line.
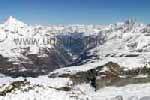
<point x="125" y="43"/>
<point x="79" y="62"/>
<point x="12" y="21"/>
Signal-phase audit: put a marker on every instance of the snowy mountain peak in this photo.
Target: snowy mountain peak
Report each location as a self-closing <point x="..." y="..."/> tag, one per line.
<point x="12" y="21"/>
<point x="130" y="21"/>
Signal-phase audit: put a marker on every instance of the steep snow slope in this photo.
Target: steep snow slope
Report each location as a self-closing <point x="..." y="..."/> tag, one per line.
<point x="124" y="43"/>
<point x="25" y="50"/>
<point x="128" y="46"/>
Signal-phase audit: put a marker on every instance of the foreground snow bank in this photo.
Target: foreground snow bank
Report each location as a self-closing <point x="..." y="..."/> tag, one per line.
<point x="44" y="88"/>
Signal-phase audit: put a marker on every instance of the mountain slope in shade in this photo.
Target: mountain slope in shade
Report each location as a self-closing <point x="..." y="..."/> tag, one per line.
<point x="126" y="44"/>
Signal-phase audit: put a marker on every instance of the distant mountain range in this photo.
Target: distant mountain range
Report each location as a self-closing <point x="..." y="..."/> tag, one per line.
<point x="126" y="43"/>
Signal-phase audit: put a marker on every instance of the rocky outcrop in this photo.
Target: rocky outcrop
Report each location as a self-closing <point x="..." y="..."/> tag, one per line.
<point x="109" y="74"/>
<point x="32" y="65"/>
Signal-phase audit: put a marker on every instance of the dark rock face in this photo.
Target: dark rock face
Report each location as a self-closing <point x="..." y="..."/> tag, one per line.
<point x="145" y="98"/>
<point x="35" y="64"/>
<point x="107" y="75"/>
<point x="98" y="77"/>
<point x="79" y="45"/>
<point x="117" y="98"/>
<point x="16" y="85"/>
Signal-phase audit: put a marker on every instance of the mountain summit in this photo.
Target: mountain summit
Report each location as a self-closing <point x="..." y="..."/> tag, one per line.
<point x="12" y="21"/>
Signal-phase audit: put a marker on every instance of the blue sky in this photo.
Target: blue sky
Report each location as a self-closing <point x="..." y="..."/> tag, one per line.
<point x="75" y="11"/>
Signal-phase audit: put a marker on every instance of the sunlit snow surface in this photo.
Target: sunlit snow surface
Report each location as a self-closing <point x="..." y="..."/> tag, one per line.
<point x="78" y="92"/>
